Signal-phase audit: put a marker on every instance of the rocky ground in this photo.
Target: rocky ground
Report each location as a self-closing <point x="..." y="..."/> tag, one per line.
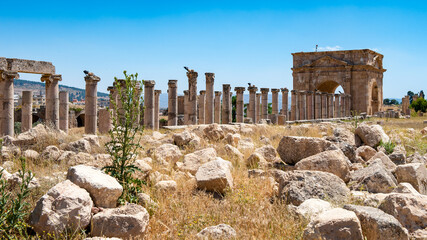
<point x="308" y="181"/>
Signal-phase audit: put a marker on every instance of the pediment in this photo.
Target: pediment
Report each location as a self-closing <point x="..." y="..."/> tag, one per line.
<point x="327" y="61"/>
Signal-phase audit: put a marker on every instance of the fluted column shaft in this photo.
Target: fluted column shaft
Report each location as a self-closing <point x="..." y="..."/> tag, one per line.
<point x="91" y="102"/>
<point x="258" y="107"/>
<point x="156" y="108"/>
<point x="285" y="93"/>
<point x="342" y="105"/>
<point x="275" y="101"/>
<point x="252" y="103"/>
<point x="192" y="97"/>
<point x="26" y="111"/>
<point x="302" y="105"/>
<point x="318" y="105"/>
<point x="209" y="99"/>
<point x="186" y="108"/>
<point x="52" y="99"/>
<point x="294" y="106"/>
<point x="63" y="111"/>
<point x="324" y="105"/>
<point x="202" y="101"/>
<point x="337" y="106"/>
<point x="310" y="105"/>
<point x="172" y="103"/>
<point x="149" y="99"/>
<point x="217" y="106"/>
<point x="226" y="104"/>
<point x="239" y="104"/>
<point x="264" y="102"/>
<point x="330" y="105"/>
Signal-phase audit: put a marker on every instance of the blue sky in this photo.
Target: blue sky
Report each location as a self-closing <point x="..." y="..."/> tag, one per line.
<point x="240" y="41"/>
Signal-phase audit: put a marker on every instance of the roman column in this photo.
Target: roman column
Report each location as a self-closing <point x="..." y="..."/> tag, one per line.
<point x="226" y="104"/>
<point x="275" y="101"/>
<point x="156" y="108"/>
<point x="348" y="104"/>
<point x="294" y="106"/>
<point x="7" y="113"/>
<point x="252" y="103"/>
<point x="240" y="112"/>
<point x="330" y="105"/>
<point x="186" y="108"/>
<point x="26" y="111"/>
<point x="202" y="101"/>
<point x="342" y="105"/>
<point x="91" y="114"/>
<point x="192" y="97"/>
<point x="113" y="100"/>
<point x="105" y="123"/>
<point x="209" y="98"/>
<point x="149" y="100"/>
<point x="258" y="107"/>
<point x="264" y="102"/>
<point x="302" y="105"/>
<point x="324" y="105"/>
<point x="337" y="106"/>
<point x="310" y="105"/>
<point x="318" y="105"/>
<point x="217" y="106"/>
<point x="52" y="99"/>
<point x="63" y="111"/>
<point x="172" y="103"/>
<point x="285" y="92"/>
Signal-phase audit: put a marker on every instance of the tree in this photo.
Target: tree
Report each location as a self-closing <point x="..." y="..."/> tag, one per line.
<point x="419" y="105"/>
<point x="422" y="94"/>
<point x="386" y="101"/>
<point x="394" y="102"/>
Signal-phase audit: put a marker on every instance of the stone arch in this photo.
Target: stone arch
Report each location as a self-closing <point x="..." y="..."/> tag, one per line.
<point x="328" y="86"/>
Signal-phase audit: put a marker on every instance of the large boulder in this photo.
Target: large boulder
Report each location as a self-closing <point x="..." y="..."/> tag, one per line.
<point x="292" y="149"/>
<point x="377" y="224"/>
<point x="410" y="210"/>
<point x="415" y="174"/>
<point x="385" y="160"/>
<point x="297" y="186"/>
<point x="398" y="156"/>
<point x="104" y="189"/>
<point x="371" y="135"/>
<point x="66" y="206"/>
<point x="214" y="132"/>
<point x="365" y="152"/>
<point x="336" y="223"/>
<point x="193" y="161"/>
<point x="312" y="207"/>
<point x="31" y="136"/>
<point x="186" y="138"/>
<point x="268" y="152"/>
<point x="167" y="153"/>
<point x="333" y="161"/>
<point x="215" y="176"/>
<point x="374" y="178"/>
<point x="128" y="222"/>
<point x="221" y="231"/>
<point x="405" y="187"/>
<point x="51" y="153"/>
<point x="81" y="145"/>
<point x="233" y="152"/>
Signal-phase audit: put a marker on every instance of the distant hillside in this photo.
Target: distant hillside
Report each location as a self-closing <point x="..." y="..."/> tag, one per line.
<point x="39" y="87"/>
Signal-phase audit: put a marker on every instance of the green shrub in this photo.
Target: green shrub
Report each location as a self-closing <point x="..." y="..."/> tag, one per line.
<point x="13" y="205"/>
<point x="419" y="105"/>
<point x="125" y="136"/>
<point x="388" y="146"/>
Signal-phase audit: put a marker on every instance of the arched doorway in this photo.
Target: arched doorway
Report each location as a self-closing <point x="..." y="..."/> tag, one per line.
<point x="375" y="103"/>
<point x="330" y="87"/>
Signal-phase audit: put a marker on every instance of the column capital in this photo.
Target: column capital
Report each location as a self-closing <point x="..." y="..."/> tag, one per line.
<point x="192" y="74"/>
<point x="202" y="92"/>
<point x="157" y="91"/>
<point x="258" y="94"/>
<point x="47" y="78"/>
<point x="252" y="89"/>
<point x="309" y="92"/>
<point x="9" y="75"/>
<point x="239" y="89"/>
<point x="284" y="90"/>
<point x="149" y="83"/>
<point x="225" y="85"/>
<point x="302" y="92"/>
<point x="92" y="78"/>
<point x="293" y="91"/>
<point x="330" y="94"/>
<point x="324" y="93"/>
<point x="265" y="90"/>
<point x="172" y="83"/>
<point x="210" y="77"/>
<point x="218" y="93"/>
<point x="275" y="90"/>
<point x="186" y="92"/>
<point x="111" y="89"/>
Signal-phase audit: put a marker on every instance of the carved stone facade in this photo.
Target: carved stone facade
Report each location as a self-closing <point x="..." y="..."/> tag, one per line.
<point x="358" y="72"/>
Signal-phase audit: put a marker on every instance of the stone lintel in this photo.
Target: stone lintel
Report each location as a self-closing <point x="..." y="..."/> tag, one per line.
<point x="26" y="66"/>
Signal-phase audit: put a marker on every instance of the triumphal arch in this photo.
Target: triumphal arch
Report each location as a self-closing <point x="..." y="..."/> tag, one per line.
<point x="358" y="72"/>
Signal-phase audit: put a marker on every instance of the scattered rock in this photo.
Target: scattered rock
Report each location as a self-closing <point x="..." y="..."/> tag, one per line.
<point x="377" y="224"/>
<point x="221" y="231"/>
<point x="81" y="145"/>
<point x="297" y="186"/>
<point x="51" y="153"/>
<point x="416" y="158"/>
<point x="245" y="145"/>
<point x="234" y="152"/>
<point x="385" y="160"/>
<point x="193" y="161"/>
<point x="267" y="152"/>
<point x="167" y="153"/>
<point x="167" y="186"/>
<point x="233" y="139"/>
<point x="312" y="207"/>
<point x="405" y="187"/>
<point x="333" y="161"/>
<point x="336" y="223"/>
<point x="374" y="178"/>
<point x="31" y="154"/>
<point x="128" y="221"/>
<point x="410" y="210"/>
<point x="399" y="155"/>
<point x="365" y="152"/>
<point x="293" y="149"/>
<point x="371" y="135"/>
<point x="214" y="132"/>
<point x="215" y="176"/>
<point x="415" y="174"/>
<point x="186" y="138"/>
<point x="255" y="160"/>
<point x="104" y="189"/>
<point x="65" y="206"/>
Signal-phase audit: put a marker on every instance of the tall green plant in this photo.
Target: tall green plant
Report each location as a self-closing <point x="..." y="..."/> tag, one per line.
<point x="125" y="136"/>
<point x="14" y="207"/>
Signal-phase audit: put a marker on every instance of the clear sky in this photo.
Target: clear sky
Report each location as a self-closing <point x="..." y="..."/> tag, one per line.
<point x="240" y="41"/>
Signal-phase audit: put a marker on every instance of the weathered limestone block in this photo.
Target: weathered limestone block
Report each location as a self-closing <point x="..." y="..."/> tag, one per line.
<point x="221" y="231"/>
<point x="374" y="178"/>
<point x="415" y="174"/>
<point x="371" y="135"/>
<point x="193" y="161"/>
<point x="215" y="176"/>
